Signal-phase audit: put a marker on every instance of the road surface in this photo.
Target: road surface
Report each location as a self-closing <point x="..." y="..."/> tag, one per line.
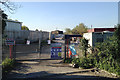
<point x="50" y="69"/>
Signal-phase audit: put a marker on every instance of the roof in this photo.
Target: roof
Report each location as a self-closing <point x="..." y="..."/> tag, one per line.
<point x="68" y="36"/>
<point x="101" y="29"/>
<point x="12" y="21"/>
<point x="57" y="32"/>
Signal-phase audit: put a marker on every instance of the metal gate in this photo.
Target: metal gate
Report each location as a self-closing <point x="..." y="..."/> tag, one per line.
<point x="26" y="52"/>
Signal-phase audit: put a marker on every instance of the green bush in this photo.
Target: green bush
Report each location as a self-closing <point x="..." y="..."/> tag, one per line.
<point x="7" y="64"/>
<point x="86" y="63"/>
<point x="67" y="60"/>
<point x="76" y="61"/>
<point x="83" y="62"/>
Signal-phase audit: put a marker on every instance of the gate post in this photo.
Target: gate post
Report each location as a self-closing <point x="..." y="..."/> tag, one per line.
<point x="14" y="52"/>
<point x="65" y="52"/>
<point x="39" y="48"/>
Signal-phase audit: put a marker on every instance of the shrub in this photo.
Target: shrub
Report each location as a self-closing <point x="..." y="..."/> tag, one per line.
<point x="76" y="61"/>
<point x="7" y="64"/>
<point x="67" y="60"/>
<point x="86" y="63"/>
<point x="83" y="62"/>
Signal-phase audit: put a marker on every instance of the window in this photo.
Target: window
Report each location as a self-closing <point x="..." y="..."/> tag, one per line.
<point x="99" y="40"/>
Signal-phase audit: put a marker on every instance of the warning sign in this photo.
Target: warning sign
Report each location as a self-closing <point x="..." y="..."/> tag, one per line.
<point x="56" y="51"/>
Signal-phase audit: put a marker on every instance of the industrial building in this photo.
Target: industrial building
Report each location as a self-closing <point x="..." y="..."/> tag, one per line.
<point x="12" y="25"/>
<point x="98" y="35"/>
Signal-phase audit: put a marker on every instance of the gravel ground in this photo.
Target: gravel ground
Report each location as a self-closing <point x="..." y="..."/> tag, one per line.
<point x="50" y="69"/>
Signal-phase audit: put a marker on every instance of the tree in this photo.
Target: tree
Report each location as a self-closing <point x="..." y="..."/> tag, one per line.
<point x="4" y="16"/>
<point x="79" y="29"/>
<point x="84" y="43"/>
<point x="68" y="31"/>
<point x="117" y="38"/>
<point x="36" y="30"/>
<point x="10" y="6"/>
<point x="108" y="53"/>
<point x="117" y="32"/>
<point x="24" y="27"/>
<point x="16" y="20"/>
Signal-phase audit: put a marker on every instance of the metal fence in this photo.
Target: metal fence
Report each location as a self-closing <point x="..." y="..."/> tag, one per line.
<point x="26" y="52"/>
<point x="21" y="50"/>
<point x="24" y="34"/>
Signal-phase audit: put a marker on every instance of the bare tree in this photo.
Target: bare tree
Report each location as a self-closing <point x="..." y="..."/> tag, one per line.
<point x="10" y="6"/>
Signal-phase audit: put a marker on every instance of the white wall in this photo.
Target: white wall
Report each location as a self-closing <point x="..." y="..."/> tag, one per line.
<point x="88" y="36"/>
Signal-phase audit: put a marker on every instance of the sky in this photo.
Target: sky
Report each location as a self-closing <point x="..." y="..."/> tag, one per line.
<point x="49" y="16"/>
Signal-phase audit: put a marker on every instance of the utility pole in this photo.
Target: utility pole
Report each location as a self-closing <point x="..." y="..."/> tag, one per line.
<point x="91" y="26"/>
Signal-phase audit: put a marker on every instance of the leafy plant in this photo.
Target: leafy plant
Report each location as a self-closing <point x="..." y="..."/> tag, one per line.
<point x="84" y="43"/>
<point x="108" y="54"/>
<point x="86" y="63"/>
<point x="83" y="62"/>
<point x="7" y="64"/>
<point x="76" y="61"/>
<point x="67" y="60"/>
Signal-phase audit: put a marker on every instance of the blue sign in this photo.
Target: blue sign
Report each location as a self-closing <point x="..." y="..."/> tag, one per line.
<point x="56" y="52"/>
<point x="72" y="49"/>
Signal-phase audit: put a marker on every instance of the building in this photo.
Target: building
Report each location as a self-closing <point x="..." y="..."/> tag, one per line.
<point x="98" y="35"/>
<point x="13" y="25"/>
<point x="101" y="29"/>
<point x="13" y="31"/>
<point x="57" y="34"/>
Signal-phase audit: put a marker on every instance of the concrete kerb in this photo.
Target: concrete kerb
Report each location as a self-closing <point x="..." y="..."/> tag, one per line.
<point x="96" y="70"/>
<point x="51" y="75"/>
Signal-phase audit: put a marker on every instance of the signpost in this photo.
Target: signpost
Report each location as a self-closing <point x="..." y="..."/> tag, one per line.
<point x="10" y="42"/>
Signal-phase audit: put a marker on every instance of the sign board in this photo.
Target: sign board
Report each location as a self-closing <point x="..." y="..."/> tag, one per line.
<point x="49" y="42"/>
<point x="10" y="42"/>
<point x="28" y="42"/>
<point x="56" y="51"/>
